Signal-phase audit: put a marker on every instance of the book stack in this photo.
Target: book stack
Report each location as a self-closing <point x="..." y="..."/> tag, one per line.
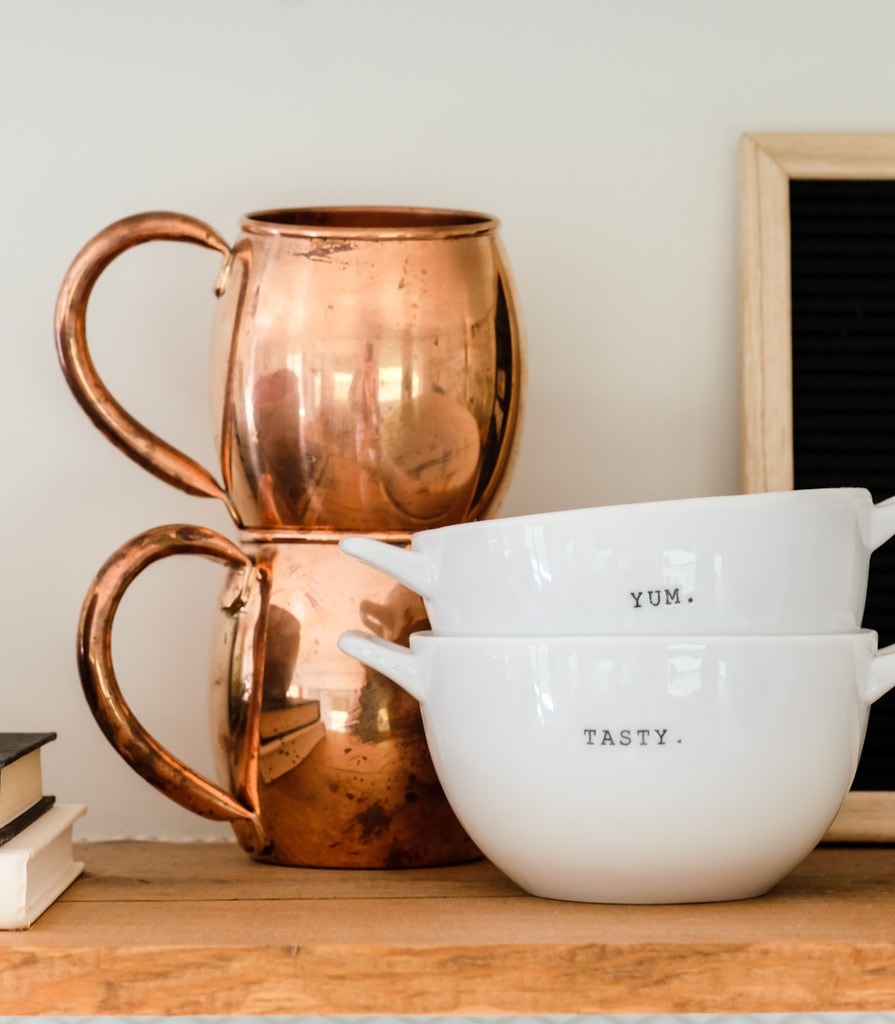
<point x="36" y="854"/>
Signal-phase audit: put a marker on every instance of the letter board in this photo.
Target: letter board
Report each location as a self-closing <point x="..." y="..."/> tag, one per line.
<point x="817" y="304"/>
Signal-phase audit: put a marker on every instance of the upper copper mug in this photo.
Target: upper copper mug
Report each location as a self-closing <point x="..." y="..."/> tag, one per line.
<point x="366" y="366"/>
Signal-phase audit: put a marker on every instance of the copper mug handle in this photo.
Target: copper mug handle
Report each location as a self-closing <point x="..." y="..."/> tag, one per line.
<point x="123" y="430"/>
<point x="128" y="736"/>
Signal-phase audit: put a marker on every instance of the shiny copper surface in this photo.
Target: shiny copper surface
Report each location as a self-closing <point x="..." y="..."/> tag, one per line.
<point x="324" y="762"/>
<point x="367" y="366"/>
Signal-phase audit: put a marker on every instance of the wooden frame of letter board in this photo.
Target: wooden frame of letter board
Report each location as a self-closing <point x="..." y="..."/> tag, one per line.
<point x="767" y="164"/>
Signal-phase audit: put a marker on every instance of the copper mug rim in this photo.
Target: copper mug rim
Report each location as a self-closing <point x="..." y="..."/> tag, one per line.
<point x="369" y="222"/>
<point x="287" y="535"/>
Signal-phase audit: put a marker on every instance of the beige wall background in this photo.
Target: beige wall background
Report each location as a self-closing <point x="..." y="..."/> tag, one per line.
<point x="603" y="133"/>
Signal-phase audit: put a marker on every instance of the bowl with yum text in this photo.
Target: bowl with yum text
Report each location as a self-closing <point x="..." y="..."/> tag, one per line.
<point x="782" y="562"/>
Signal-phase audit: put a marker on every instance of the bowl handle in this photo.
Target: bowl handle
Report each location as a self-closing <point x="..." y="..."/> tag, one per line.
<point x="881" y="676"/>
<point x="403" y="564"/>
<point x="882" y="523"/>
<point x="393" y="660"/>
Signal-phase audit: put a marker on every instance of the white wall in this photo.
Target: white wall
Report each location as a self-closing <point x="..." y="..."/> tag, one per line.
<point x="603" y="133"/>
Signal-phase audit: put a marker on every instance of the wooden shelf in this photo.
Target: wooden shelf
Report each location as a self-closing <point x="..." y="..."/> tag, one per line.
<point x="183" y="929"/>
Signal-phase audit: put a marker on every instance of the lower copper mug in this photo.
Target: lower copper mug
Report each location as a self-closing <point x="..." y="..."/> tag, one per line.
<point x="326" y="761"/>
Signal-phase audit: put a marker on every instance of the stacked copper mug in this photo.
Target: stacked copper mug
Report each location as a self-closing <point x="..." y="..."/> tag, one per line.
<point x="367" y="375"/>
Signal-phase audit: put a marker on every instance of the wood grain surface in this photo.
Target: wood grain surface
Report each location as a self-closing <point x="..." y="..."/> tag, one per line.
<point x="201" y="929"/>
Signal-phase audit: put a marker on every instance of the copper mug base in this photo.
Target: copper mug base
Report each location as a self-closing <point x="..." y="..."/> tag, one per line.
<point x="325" y="761"/>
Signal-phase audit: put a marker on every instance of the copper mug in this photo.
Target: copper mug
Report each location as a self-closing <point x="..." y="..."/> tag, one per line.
<point x="323" y="763"/>
<point x="366" y="366"/>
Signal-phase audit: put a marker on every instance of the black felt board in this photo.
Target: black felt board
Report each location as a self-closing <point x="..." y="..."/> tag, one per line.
<point x="843" y="368"/>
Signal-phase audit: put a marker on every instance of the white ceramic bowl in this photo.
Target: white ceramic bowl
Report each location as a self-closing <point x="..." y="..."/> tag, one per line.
<point x="641" y="769"/>
<point x="781" y="562"/>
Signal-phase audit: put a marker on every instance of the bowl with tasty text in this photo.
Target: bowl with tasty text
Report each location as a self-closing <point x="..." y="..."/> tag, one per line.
<point x="643" y="769"/>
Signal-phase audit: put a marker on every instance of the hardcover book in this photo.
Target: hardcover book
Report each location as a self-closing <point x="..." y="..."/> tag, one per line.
<point x="21" y="776"/>
<point x="37" y="866"/>
<point x="26" y="818"/>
